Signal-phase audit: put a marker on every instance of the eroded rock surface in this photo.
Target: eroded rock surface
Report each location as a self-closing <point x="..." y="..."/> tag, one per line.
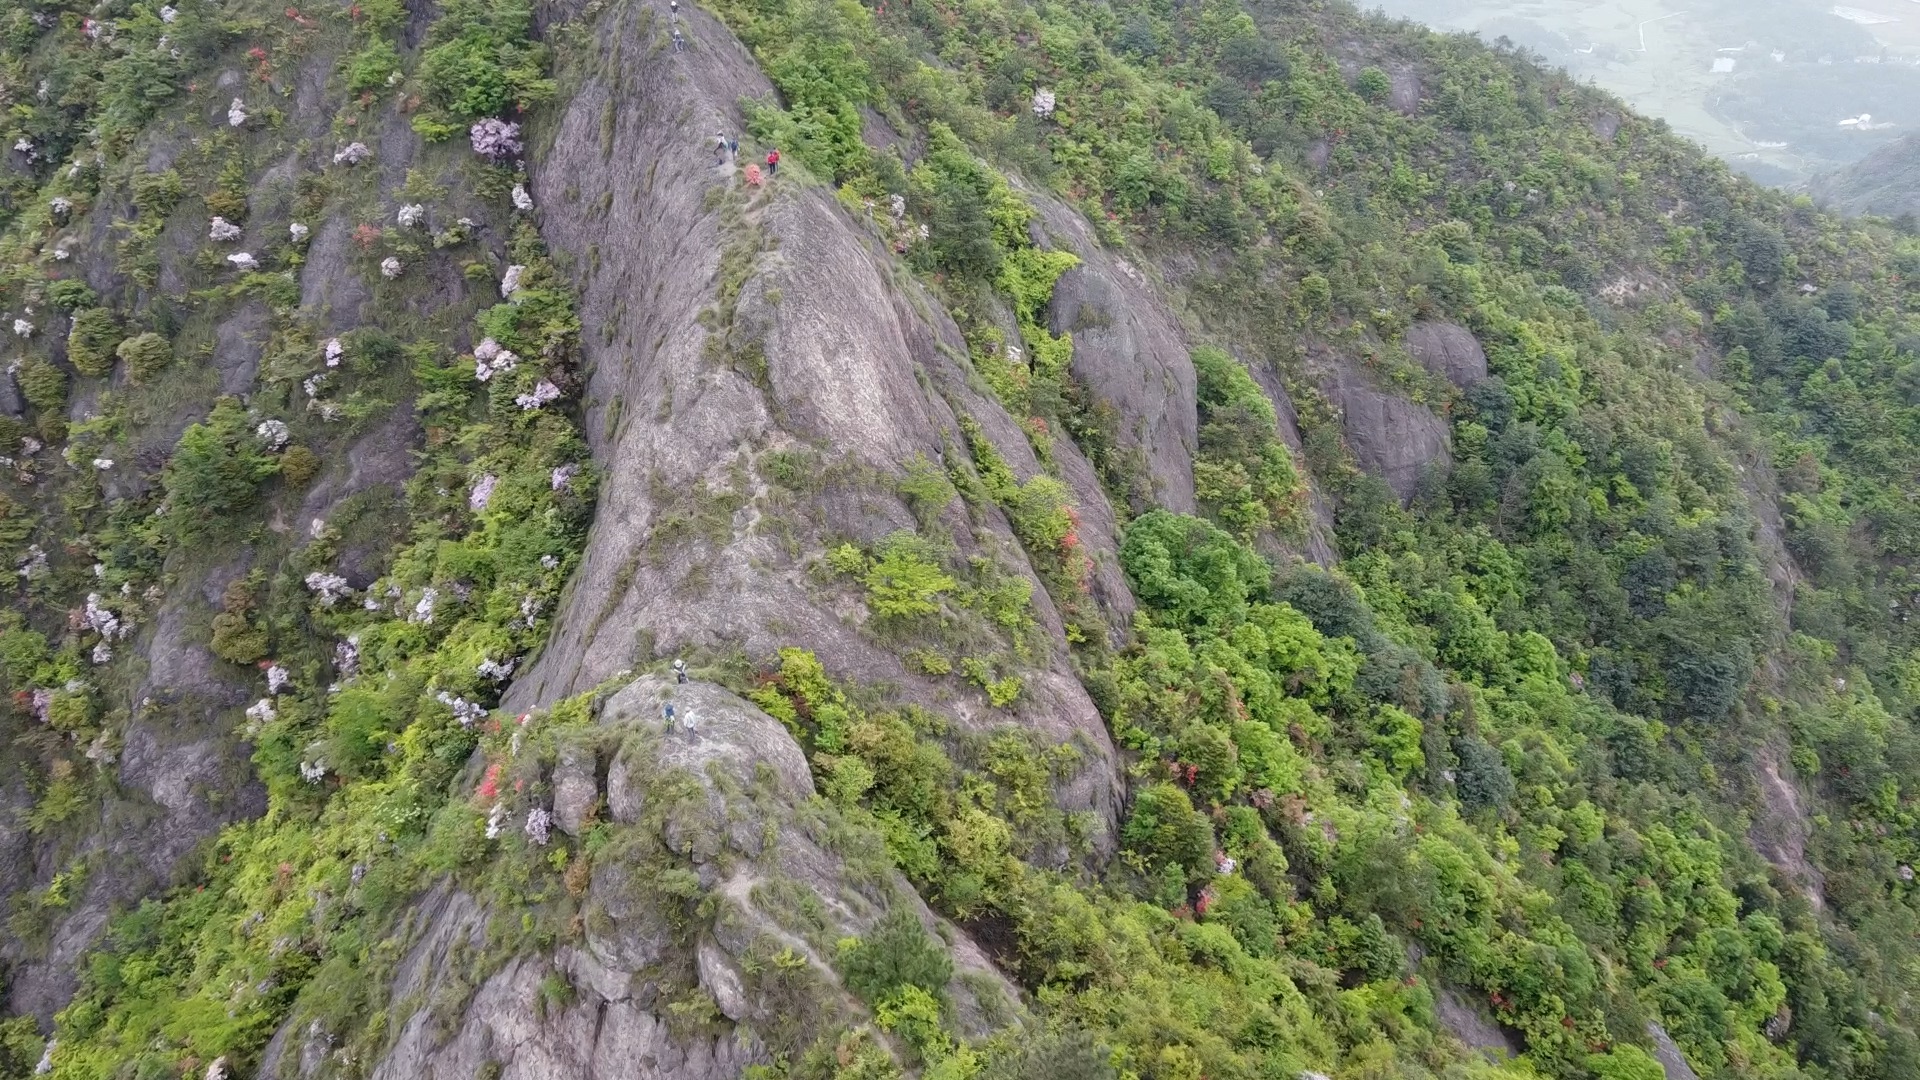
<point x="727" y="792"/>
<point x="1449" y="351"/>
<point x="822" y="349"/>
<point x="1128" y="350"/>
<point x="1390" y="436"/>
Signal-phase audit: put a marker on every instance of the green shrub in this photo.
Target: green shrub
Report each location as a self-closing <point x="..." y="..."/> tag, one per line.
<point x="216" y="469"/>
<point x="898" y="952"/>
<point x="298" y="465"/>
<point x="1482" y="778"/>
<point x="238" y="637"/>
<point x="1374" y="85"/>
<point x="903" y="580"/>
<point x="145" y="355"/>
<point x="1165" y="831"/>
<point x="482" y="60"/>
<point x="90" y="344"/>
<point x="371" y="67"/>
<point x="44" y="385"/>
<point x="71" y="294"/>
<point x="156" y="194"/>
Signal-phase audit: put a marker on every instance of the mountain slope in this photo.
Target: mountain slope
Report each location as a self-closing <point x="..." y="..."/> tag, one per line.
<point x="1885" y="182"/>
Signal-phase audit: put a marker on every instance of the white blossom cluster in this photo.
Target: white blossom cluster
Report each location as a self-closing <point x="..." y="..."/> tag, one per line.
<point x="390" y="267"/>
<point x="482" y="492"/>
<point x="334" y="351"/>
<point x="346" y="657"/>
<point x="495" y="139"/>
<point x="510" y="281"/>
<point x="102" y="464"/>
<point x="541" y="394"/>
<point x="561" y="478"/>
<point x="539" y="827"/>
<point x="278" y="679"/>
<point x="467" y="712"/>
<point x="104" y="622"/>
<point x="22" y="328"/>
<point x="490" y="359"/>
<point x="1043" y="103"/>
<point x="411" y="215"/>
<point x="243" y="260"/>
<point x="352" y="154"/>
<point x="168" y="13"/>
<point x="423" y="609"/>
<point x="221" y="230"/>
<point x="273" y="433"/>
<point x="328" y="589"/>
<point x="313" y="771"/>
<point x="522" y="201"/>
<point x="59" y="204"/>
<point x="530" y="608"/>
<point x="496" y="670"/>
<point x="262" y="711"/>
<point x="298" y="232"/>
<point x="237" y="113"/>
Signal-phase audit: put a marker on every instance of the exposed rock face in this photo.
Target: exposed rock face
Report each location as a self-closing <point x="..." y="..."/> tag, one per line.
<point x="1471" y="1025"/>
<point x="825" y="350"/>
<point x="1407" y="91"/>
<point x="12" y="403"/>
<point x="1129" y="351"/>
<point x="729" y="790"/>
<point x="1391" y="437"/>
<point x="1668" y="1055"/>
<point x="1781" y="828"/>
<point x="1449" y="351"/>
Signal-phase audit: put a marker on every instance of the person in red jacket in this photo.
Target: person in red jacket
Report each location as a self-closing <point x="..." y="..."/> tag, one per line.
<point x="773" y="163"/>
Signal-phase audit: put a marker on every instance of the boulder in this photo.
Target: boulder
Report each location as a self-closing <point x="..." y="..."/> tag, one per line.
<point x="574" y="791"/>
<point x="1389" y="436"/>
<point x="1449" y="351"/>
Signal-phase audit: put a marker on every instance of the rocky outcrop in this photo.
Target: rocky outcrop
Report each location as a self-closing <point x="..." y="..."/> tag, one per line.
<point x="1782" y="827"/>
<point x="1391" y="437"/>
<point x="724" y="796"/>
<point x="1672" y="1062"/>
<point x="1449" y="351"/>
<point x="1128" y="350"/>
<point x="1461" y="1018"/>
<point x="801" y="339"/>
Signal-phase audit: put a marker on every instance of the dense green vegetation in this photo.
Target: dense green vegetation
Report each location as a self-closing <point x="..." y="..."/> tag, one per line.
<point x="1560" y="637"/>
<point x="1504" y="753"/>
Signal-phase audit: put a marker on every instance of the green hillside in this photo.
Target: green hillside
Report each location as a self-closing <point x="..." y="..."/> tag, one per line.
<point x="1547" y="717"/>
<point x="1886" y="182"/>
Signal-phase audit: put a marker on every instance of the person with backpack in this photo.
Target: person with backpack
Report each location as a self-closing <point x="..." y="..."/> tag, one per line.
<point x="773" y="163"/>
